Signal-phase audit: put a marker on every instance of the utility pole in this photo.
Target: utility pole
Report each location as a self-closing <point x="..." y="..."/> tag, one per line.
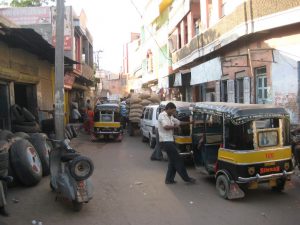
<point x="59" y="71"/>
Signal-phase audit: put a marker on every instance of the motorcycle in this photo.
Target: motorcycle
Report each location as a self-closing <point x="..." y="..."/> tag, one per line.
<point x="70" y="174"/>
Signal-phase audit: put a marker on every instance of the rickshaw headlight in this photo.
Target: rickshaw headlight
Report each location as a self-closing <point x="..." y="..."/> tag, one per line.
<point x="286" y="166"/>
<point x="251" y="170"/>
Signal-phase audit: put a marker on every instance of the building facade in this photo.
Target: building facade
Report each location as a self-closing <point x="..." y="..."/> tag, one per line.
<point x="78" y="45"/>
<point x="244" y="51"/>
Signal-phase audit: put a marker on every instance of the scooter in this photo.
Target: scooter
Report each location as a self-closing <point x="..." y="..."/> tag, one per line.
<point x="70" y="174"/>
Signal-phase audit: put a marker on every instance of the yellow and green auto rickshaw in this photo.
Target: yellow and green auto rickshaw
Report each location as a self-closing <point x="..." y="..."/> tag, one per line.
<point x="242" y="145"/>
<point x="182" y="135"/>
<point x="107" y="122"/>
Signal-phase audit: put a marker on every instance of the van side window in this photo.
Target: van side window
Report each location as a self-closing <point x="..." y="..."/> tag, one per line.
<point x="150" y="114"/>
<point x="146" y="114"/>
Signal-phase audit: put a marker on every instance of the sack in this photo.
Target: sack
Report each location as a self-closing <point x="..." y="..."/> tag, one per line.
<point x="145" y="102"/>
<point x="154" y="98"/>
<point x="135" y="119"/>
<point x="140" y="111"/>
<point x="145" y="95"/>
<point x="136" y="106"/>
<point x="134" y="114"/>
<point x="135" y="100"/>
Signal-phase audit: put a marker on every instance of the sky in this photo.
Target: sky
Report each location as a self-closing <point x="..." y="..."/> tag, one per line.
<point x="110" y="23"/>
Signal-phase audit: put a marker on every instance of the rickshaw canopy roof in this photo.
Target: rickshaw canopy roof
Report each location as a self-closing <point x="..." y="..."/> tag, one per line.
<point x="241" y="113"/>
<point x="108" y="106"/>
<point x="178" y="104"/>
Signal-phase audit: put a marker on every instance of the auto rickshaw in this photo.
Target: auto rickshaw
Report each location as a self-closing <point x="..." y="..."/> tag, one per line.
<point x="242" y="145"/>
<point x="182" y="135"/>
<point x="107" y="122"/>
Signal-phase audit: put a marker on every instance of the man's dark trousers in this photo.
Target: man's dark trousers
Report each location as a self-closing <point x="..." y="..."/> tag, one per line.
<point x="176" y="163"/>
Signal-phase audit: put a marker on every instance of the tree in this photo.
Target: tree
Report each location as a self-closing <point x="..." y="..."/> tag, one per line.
<point x="28" y="3"/>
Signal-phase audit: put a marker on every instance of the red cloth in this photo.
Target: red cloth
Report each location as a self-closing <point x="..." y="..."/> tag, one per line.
<point x="89" y="123"/>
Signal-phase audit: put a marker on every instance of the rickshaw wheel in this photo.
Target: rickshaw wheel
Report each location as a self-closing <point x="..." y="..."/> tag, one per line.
<point x="222" y="185"/>
<point x="280" y="183"/>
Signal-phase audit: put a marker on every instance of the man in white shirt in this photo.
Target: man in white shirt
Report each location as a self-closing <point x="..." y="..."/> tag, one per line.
<point x="166" y="125"/>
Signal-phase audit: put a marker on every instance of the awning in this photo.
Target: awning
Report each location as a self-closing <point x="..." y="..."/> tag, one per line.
<point x="206" y="72"/>
<point x="163" y="82"/>
<point x="30" y="41"/>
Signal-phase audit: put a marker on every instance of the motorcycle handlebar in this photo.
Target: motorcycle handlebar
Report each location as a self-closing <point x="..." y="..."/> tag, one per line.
<point x="63" y="144"/>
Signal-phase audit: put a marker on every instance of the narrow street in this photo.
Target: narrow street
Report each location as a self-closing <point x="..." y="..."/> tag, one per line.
<point x="130" y="189"/>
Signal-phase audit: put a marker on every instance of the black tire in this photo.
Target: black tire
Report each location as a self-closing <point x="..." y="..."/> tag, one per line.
<point x="26" y="129"/>
<point x="26" y="163"/>
<point x="6" y="135"/>
<point x="144" y="139"/>
<point x="67" y="133"/>
<point x="12" y="173"/>
<point x="18" y="113"/>
<point x="22" y="135"/>
<point x="152" y="142"/>
<point x="75" y="133"/>
<point x="77" y="206"/>
<point x="280" y="184"/>
<point x="4" y="160"/>
<point x="40" y="144"/>
<point x="68" y="128"/>
<point x="222" y="185"/>
<point x="28" y="115"/>
<point x="48" y="125"/>
<point x="24" y="123"/>
<point x="76" y="165"/>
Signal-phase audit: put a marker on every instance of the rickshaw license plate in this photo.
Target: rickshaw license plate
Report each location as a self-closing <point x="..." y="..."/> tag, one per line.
<point x="269" y="169"/>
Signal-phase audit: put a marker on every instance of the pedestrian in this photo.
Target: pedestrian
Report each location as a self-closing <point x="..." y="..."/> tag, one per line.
<point x="123" y="113"/>
<point x="157" y="153"/>
<point x="75" y="114"/>
<point x="89" y="122"/>
<point x="166" y="125"/>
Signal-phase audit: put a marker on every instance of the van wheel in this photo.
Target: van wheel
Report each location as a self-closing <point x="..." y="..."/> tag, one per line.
<point x="144" y="139"/>
<point x="222" y="185"/>
<point x="152" y="142"/>
<point x="280" y="183"/>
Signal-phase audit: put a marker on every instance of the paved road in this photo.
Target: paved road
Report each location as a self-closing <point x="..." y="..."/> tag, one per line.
<point x="130" y="190"/>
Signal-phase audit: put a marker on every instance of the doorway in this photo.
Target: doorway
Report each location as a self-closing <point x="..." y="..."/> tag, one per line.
<point x="25" y="96"/>
<point x="4" y="109"/>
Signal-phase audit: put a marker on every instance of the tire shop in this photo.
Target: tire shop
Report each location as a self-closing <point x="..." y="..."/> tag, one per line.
<point x="26" y="78"/>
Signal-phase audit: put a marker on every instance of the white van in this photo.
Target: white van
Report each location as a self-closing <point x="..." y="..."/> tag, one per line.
<point x="148" y="124"/>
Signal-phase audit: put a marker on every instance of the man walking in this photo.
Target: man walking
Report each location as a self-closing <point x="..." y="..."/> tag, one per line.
<point x="166" y="125"/>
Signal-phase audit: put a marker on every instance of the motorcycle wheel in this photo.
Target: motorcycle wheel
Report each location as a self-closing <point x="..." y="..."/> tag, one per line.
<point x="77" y="206"/>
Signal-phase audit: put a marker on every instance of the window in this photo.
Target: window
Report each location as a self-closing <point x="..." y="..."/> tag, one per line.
<point x="240" y="90"/>
<point x="150" y="114"/>
<point x="261" y="85"/>
<point x="106" y="118"/>
<point x="146" y="114"/>
<point x="224" y="93"/>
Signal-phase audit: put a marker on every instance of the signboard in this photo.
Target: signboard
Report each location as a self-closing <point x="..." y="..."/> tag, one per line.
<point x="69" y="80"/>
<point x="67" y="30"/>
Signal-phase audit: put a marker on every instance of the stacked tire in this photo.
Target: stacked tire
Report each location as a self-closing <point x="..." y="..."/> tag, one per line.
<point x="27" y="157"/>
<point x="24" y="121"/>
